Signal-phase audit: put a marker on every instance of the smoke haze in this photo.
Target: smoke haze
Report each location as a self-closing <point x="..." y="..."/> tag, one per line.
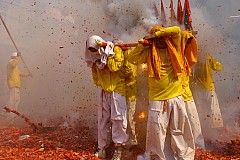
<point x="51" y="37"/>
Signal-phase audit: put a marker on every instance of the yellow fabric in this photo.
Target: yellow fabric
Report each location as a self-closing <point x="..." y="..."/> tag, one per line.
<point x="180" y="43"/>
<point x="109" y="78"/>
<point x="187" y="95"/>
<point x="203" y="73"/>
<point x="154" y="61"/>
<point x="168" y="86"/>
<point x="14" y="74"/>
<point x="190" y="55"/>
<point x="159" y="89"/>
<point x="130" y="72"/>
<point x="155" y="29"/>
<point x="174" y="49"/>
<point x="189" y="50"/>
<point x="169" y="31"/>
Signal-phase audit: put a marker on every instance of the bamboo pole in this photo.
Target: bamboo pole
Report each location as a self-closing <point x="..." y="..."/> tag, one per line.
<point x="14" y="43"/>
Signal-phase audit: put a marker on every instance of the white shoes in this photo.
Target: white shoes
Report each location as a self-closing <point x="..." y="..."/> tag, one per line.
<point x="101" y="153"/>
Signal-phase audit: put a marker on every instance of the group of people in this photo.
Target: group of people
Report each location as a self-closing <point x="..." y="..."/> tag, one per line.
<point x="170" y="56"/>
<point x="173" y="125"/>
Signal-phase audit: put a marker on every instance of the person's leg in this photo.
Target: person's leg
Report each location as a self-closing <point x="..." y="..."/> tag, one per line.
<point x="14" y="100"/>
<point x="158" y="120"/>
<point x="182" y="139"/>
<point x="195" y="123"/>
<point x="119" y="123"/>
<point x="131" y="107"/>
<point x="17" y="98"/>
<point x="216" y="115"/>
<point x="103" y="122"/>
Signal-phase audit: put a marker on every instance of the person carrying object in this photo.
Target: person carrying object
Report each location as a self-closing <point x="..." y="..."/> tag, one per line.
<point x="166" y="108"/>
<point x="14" y="81"/>
<point x="106" y="64"/>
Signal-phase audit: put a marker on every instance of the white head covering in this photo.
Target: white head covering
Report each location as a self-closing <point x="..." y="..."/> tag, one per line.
<point x="103" y="53"/>
<point x="14" y="54"/>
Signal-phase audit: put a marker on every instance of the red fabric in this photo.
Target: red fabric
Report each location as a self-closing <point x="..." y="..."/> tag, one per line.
<point x="173" y="16"/>
<point x="179" y="12"/>
<point x="163" y="15"/>
<point x="187" y="10"/>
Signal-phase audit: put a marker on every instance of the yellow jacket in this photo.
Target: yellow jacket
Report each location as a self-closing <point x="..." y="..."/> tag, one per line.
<point x="130" y="71"/>
<point x="111" y="77"/>
<point x="14" y="74"/>
<point x="203" y="73"/>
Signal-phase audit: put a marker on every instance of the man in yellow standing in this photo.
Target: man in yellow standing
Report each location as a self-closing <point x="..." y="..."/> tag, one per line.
<point x="14" y="81"/>
<point x="166" y="107"/>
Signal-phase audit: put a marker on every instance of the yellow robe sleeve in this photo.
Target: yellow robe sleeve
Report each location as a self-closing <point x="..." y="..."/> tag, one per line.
<point x="95" y="75"/>
<point x="116" y="61"/>
<point x="215" y="65"/>
<point x="138" y="55"/>
<point x="169" y="31"/>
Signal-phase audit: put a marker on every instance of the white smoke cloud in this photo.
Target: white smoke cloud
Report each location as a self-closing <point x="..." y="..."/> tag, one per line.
<point x="51" y="36"/>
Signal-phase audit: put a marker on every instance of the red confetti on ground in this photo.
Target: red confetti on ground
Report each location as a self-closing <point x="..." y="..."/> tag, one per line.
<point x="78" y="143"/>
<point x="57" y="144"/>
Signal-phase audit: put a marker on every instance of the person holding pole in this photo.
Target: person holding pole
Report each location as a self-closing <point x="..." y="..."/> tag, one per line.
<point x="166" y="110"/>
<point x="14" y="81"/>
<point x="106" y="64"/>
<point x="13" y="74"/>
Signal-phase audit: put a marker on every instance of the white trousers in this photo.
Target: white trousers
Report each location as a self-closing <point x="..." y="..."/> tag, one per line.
<point x="208" y="108"/>
<point x="170" y="114"/>
<point x="216" y="120"/>
<point x="112" y="113"/>
<point x="195" y="123"/>
<point x="14" y="98"/>
<point x="131" y="129"/>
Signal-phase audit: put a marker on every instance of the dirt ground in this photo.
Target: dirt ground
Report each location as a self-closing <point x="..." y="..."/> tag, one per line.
<point x="57" y="142"/>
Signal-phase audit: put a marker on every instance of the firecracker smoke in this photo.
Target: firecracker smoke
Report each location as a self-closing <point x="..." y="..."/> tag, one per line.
<point x="51" y="37"/>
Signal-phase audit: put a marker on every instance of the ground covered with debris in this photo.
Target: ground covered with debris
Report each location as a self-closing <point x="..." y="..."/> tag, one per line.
<point x="78" y="143"/>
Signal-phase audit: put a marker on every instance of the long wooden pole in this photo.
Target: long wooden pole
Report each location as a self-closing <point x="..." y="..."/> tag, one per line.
<point x="13" y="42"/>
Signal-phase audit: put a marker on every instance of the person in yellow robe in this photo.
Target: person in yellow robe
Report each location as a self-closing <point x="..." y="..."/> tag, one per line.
<point x="14" y="81"/>
<point x="106" y="64"/>
<point x="205" y="95"/>
<point x="166" y="107"/>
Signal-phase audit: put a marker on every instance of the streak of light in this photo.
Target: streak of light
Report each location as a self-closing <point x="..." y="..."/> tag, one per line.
<point x="235" y="16"/>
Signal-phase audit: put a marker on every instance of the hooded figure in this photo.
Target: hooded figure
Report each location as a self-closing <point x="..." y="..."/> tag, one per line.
<point x="166" y="112"/>
<point x="95" y="53"/>
<point x="106" y="64"/>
